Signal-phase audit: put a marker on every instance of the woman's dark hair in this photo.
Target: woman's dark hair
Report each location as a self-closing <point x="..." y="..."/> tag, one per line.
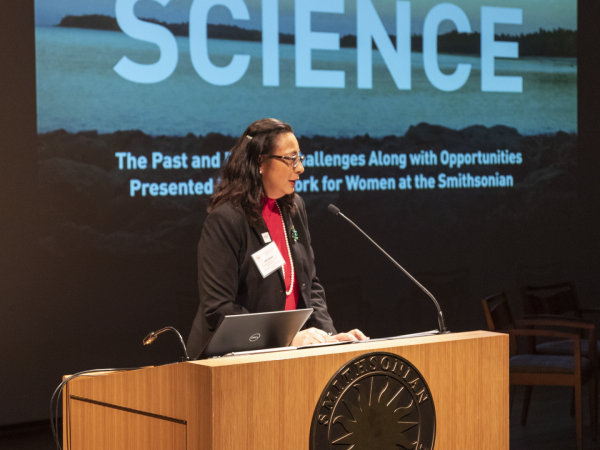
<point x="241" y="183"/>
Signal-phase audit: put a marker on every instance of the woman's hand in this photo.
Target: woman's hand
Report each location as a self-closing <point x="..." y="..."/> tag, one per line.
<point x="311" y="336"/>
<point x="354" y="335"/>
<point x="316" y="336"/>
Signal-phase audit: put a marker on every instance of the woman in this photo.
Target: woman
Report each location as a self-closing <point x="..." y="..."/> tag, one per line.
<point x="255" y="203"/>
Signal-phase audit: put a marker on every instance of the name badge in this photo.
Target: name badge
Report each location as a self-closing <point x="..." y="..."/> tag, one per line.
<point x="268" y="259"/>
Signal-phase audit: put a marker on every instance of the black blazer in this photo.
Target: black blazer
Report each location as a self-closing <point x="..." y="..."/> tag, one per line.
<point x="230" y="283"/>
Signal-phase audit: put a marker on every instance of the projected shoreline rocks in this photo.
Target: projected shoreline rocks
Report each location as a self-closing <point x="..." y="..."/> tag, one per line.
<point x="87" y="203"/>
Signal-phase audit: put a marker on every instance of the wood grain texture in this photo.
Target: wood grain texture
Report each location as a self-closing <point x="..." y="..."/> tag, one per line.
<point x="267" y="401"/>
<point x="94" y="426"/>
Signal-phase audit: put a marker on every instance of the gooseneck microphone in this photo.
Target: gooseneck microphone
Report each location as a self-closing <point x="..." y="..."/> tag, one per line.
<point x="154" y="334"/>
<point x="336" y="211"/>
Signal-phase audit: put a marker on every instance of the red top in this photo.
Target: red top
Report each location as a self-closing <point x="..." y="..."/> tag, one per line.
<point x="272" y="218"/>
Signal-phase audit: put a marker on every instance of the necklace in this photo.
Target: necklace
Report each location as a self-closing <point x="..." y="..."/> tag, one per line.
<point x="287" y="244"/>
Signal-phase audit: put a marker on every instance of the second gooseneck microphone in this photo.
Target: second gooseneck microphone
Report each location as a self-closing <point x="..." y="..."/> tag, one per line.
<point x="154" y="334"/>
<point x="336" y="211"/>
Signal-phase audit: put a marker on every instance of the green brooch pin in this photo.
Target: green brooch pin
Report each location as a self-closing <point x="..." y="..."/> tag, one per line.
<point x="294" y="234"/>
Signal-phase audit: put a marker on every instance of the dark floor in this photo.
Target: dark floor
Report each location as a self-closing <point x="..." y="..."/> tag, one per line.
<point x="550" y="425"/>
<point x="33" y="436"/>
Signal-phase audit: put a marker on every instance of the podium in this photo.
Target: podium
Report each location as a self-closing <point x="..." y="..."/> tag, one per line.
<point x="266" y="401"/>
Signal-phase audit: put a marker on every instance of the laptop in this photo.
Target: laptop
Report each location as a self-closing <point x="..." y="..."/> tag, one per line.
<point x="253" y="332"/>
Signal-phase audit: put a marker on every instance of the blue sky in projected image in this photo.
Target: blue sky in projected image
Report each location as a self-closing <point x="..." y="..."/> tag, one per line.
<point x="547" y="14"/>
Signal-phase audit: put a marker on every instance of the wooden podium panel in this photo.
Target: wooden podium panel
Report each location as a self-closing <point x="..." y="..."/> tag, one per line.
<point x="101" y="426"/>
<point x="266" y="401"/>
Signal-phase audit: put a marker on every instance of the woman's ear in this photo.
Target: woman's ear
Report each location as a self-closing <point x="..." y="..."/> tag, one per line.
<point x="262" y="161"/>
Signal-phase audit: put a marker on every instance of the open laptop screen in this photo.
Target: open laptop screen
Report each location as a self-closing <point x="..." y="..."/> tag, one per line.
<point x="248" y="332"/>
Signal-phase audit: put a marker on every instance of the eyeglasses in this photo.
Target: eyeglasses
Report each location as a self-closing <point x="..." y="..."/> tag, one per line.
<point x="292" y="161"/>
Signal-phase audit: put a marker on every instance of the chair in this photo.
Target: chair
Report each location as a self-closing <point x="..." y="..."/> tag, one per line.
<point x="556" y="300"/>
<point x="560" y="299"/>
<point x="531" y="369"/>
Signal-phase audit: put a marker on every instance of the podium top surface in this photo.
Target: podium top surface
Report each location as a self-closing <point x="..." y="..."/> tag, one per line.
<point x="345" y="348"/>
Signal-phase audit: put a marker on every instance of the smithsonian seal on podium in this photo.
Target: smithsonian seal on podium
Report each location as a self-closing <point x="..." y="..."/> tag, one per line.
<point x="375" y="401"/>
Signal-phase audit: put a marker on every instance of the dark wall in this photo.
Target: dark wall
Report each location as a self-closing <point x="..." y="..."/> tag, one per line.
<point x="588" y="154"/>
<point x="61" y="313"/>
<point x="24" y="350"/>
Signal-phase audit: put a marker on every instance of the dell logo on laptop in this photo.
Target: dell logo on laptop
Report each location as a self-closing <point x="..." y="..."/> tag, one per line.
<point x="255" y="337"/>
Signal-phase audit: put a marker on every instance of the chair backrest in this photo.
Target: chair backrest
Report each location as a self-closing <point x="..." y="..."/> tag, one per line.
<point x="497" y="312"/>
<point x="558" y="299"/>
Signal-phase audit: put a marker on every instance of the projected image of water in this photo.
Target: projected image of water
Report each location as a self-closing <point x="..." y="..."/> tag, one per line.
<point x="79" y="90"/>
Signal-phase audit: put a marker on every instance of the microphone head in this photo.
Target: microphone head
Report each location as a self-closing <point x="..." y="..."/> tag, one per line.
<point x="150" y="338"/>
<point x="333" y="210"/>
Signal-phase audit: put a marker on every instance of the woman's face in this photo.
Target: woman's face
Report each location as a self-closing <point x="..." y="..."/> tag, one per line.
<point x="278" y="175"/>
